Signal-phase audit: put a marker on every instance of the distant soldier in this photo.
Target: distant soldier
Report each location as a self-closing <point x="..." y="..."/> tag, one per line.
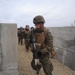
<point x="20" y="35"/>
<point x="27" y="32"/>
<point x="44" y="45"/>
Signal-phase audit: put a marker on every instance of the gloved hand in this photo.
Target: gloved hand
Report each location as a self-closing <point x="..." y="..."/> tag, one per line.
<point x="53" y="54"/>
<point x="38" y="46"/>
<point x="43" y="51"/>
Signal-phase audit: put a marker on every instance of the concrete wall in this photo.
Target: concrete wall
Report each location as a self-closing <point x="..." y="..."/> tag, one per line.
<point x="8" y="49"/>
<point x="64" y="44"/>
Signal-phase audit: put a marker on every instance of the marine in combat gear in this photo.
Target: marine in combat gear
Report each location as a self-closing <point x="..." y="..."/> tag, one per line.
<point x="43" y="37"/>
<point x="26" y="37"/>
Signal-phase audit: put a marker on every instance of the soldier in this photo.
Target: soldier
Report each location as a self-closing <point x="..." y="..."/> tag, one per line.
<point x="21" y="35"/>
<point x="27" y="32"/>
<point x="43" y="37"/>
<point x="18" y="34"/>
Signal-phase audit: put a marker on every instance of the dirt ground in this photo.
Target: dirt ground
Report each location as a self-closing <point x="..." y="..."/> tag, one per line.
<point x="24" y="67"/>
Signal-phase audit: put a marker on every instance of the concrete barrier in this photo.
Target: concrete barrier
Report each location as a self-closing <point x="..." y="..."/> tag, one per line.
<point x="8" y="49"/>
<point x="64" y="44"/>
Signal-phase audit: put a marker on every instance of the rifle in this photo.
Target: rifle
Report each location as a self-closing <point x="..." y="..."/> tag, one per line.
<point x="35" y="62"/>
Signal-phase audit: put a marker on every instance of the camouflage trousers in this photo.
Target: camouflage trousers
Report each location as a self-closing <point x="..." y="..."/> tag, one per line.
<point x="47" y="65"/>
<point x="44" y="62"/>
<point x="27" y="44"/>
<point x="20" y="40"/>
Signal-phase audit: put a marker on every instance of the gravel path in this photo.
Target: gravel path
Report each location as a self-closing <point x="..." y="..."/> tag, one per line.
<point x="24" y="59"/>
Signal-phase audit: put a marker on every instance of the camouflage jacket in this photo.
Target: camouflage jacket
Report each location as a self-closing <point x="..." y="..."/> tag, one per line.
<point x="48" y="41"/>
<point x="27" y="33"/>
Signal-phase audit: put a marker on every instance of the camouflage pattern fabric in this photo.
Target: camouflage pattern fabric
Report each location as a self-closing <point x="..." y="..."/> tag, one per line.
<point x="38" y="19"/>
<point x="20" y="34"/>
<point x="27" y="33"/>
<point x="47" y="65"/>
<point x="46" y="40"/>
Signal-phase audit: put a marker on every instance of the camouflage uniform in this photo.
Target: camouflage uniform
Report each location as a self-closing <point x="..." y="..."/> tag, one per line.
<point x="27" y="33"/>
<point x="45" y="38"/>
<point x="45" y="59"/>
<point x="20" y="35"/>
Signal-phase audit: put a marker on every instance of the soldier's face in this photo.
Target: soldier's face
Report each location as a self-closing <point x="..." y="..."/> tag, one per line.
<point x="27" y="27"/>
<point x="38" y="25"/>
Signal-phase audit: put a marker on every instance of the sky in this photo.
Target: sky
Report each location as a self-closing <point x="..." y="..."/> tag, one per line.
<point x="57" y="13"/>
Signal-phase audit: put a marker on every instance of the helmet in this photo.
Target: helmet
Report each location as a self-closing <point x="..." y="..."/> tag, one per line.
<point x="20" y="27"/>
<point x="38" y="19"/>
<point x="27" y="25"/>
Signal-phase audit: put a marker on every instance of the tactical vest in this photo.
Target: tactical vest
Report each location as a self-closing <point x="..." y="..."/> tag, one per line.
<point x="40" y="38"/>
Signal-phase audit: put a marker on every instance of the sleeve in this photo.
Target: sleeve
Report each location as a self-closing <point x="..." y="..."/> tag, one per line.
<point x="49" y="42"/>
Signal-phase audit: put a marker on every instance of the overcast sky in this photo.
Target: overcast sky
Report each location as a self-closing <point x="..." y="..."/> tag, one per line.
<point x="57" y="13"/>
